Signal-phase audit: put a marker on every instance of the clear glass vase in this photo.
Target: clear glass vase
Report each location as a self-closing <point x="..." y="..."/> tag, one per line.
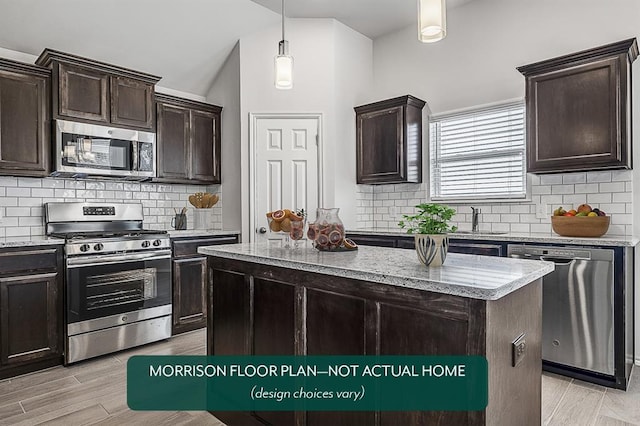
<point x="327" y="232"/>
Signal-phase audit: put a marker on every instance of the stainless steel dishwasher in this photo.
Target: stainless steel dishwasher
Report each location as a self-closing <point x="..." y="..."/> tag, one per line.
<point x="577" y="305"/>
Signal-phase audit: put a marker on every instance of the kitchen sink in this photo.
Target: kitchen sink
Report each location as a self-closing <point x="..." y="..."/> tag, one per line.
<point x="481" y="232"/>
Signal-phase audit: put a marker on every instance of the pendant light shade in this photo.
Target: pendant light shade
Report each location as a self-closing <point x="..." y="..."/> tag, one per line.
<point x="432" y="20"/>
<point x="283" y="62"/>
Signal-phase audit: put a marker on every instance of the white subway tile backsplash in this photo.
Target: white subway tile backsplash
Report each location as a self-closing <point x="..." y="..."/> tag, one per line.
<point x="550" y="179"/>
<point x="574" y="178"/>
<point x="623" y="197"/>
<point x="562" y="189"/>
<point x="599" y="176"/>
<point x="612" y="187"/>
<point x="30" y="202"/>
<point x="609" y="190"/>
<point x="17" y="231"/>
<point x="585" y="188"/>
<point x="17" y="192"/>
<point x="42" y="192"/>
<point x="599" y="198"/>
<point x="21" y="201"/>
<point x="622" y="175"/>
<point x="30" y="182"/>
<point x="17" y="211"/>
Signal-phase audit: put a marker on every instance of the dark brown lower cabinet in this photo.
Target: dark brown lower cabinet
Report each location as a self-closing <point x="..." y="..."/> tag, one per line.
<point x="190" y="280"/>
<point x="265" y="310"/>
<point x="31" y="312"/>
<point x="189" y="303"/>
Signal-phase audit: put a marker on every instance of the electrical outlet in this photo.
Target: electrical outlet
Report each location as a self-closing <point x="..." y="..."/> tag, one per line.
<point x="518" y="348"/>
<point x="541" y="211"/>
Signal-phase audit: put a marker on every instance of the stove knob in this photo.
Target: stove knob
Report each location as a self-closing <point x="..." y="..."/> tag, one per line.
<point x="157" y="243"/>
<point x="146" y="244"/>
<point x="98" y="247"/>
<point x="85" y="247"/>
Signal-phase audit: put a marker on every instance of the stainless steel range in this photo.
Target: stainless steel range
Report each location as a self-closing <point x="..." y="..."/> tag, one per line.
<point x="118" y="277"/>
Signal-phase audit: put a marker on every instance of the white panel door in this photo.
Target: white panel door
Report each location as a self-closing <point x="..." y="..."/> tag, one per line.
<point x="286" y="168"/>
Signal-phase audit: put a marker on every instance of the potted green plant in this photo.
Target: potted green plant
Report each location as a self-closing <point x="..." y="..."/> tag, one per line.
<point x="430" y="227"/>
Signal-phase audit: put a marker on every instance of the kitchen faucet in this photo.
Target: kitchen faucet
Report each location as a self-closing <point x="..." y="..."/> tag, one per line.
<point x="475" y="212"/>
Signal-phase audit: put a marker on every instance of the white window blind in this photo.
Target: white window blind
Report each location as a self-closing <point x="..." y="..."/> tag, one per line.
<point x="479" y="154"/>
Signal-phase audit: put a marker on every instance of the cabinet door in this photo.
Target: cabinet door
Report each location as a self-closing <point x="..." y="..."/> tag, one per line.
<point x="83" y="93"/>
<point x="439" y="335"/>
<point x="131" y="102"/>
<point x="380" y="147"/>
<point x="24" y="124"/>
<point x="205" y="146"/>
<point x="173" y="142"/>
<point x="573" y="118"/>
<point x="189" y="294"/>
<point x="366" y="240"/>
<point x="30" y="314"/>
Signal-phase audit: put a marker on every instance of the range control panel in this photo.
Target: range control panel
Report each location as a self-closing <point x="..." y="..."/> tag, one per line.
<point x="99" y="211"/>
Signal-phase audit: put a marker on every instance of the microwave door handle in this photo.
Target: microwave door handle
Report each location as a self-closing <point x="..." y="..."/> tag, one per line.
<point x="134" y="156"/>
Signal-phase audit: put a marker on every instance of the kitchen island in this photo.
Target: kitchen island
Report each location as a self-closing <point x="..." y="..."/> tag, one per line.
<point x="267" y="300"/>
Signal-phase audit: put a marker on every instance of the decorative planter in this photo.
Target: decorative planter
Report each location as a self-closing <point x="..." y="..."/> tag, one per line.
<point x="432" y="249"/>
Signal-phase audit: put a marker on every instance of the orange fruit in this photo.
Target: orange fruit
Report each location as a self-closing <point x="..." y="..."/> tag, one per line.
<point x="349" y="244"/>
<point x="275" y="226"/>
<point x="294" y="217"/>
<point x="285" y="225"/>
<point x="279" y="215"/>
<point x="584" y="208"/>
<point x="269" y="215"/>
<point x="287" y="212"/>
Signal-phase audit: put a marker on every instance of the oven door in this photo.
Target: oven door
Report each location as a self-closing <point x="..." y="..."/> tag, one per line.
<point x="108" y="285"/>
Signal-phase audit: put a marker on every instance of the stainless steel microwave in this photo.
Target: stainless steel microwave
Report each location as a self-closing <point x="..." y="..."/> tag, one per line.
<point x="89" y="149"/>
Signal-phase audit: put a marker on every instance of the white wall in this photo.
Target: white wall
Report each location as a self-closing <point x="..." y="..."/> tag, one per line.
<point x="225" y="91"/>
<point x="476" y="64"/>
<point x="486" y="40"/>
<point x="332" y="71"/>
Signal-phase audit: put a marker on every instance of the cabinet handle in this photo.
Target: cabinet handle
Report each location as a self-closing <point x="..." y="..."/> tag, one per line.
<point x="262" y="230"/>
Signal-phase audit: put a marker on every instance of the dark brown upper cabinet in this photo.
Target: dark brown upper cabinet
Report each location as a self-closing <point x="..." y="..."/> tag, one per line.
<point x="389" y="141"/>
<point x="188" y="140"/>
<point x="24" y="119"/>
<point x="96" y="92"/>
<point x="579" y="110"/>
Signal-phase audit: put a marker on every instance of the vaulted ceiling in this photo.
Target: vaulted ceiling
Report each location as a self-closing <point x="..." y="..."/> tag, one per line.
<point x="187" y="41"/>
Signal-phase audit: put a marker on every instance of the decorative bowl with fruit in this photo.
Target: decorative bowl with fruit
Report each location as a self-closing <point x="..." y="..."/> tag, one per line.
<point x="289" y="223"/>
<point x="581" y="222"/>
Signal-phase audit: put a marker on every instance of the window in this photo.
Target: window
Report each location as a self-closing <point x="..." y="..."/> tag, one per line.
<point x="478" y="154"/>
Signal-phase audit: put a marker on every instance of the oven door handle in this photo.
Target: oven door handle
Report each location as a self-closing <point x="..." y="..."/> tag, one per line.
<point x="80" y="262"/>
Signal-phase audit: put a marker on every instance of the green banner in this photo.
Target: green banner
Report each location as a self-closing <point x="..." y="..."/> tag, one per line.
<point x="307" y="383"/>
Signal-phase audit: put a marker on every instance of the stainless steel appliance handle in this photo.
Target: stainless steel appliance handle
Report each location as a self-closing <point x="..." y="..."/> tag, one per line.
<point x="558" y="260"/>
<point x="80" y="262"/>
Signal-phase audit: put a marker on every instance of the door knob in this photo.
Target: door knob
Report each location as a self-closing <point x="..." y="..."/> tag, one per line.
<point x="262" y="230"/>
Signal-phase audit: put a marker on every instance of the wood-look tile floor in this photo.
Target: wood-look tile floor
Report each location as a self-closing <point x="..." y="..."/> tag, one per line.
<point x="93" y="392"/>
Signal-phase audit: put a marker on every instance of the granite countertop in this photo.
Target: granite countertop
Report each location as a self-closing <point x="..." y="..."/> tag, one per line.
<point x="38" y="240"/>
<point x="477" y="277"/>
<point x="199" y="233"/>
<point x="531" y="237"/>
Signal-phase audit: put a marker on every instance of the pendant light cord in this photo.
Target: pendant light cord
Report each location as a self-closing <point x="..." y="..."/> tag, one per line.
<point x="282" y="19"/>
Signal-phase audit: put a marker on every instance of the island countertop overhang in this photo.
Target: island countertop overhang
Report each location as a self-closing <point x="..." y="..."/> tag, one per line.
<point x="472" y="276"/>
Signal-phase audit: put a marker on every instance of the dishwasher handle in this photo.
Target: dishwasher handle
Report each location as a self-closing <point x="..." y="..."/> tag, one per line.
<point x="558" y="260"/>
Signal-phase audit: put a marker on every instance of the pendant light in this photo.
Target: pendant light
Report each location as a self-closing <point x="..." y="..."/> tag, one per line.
<point x="432" y="20"/>
<point x="284" y="62"/>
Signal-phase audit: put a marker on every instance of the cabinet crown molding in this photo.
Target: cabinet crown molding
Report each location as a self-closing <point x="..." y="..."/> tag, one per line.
<point x="628" y="47"/>
<point x="400" y="100"/>
<point x="22" y="67"/>
<point x="49" y="55"/>
<point x="187" y="103"/>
